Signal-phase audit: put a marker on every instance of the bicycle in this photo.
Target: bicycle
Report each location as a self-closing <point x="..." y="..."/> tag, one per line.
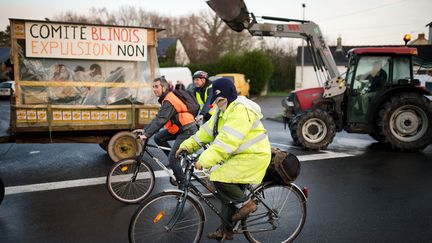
<point x="177" y="216"/>
<point x="132" y="179"/>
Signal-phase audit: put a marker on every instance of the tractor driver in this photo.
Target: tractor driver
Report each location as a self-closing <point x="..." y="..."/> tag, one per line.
<point x="376" y="77"/>
<point x="373" y="81"/>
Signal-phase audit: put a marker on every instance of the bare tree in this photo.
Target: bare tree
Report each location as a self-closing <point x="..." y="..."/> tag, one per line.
<point x="213" y="34"/>
<point x="205" y="37"/>
<point x="5" y="37"/>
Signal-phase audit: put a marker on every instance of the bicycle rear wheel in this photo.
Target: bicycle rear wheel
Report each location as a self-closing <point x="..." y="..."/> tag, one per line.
<point x="130" y="181"/>
<point x="289" y="204"/>
<point x="150" y="220"/>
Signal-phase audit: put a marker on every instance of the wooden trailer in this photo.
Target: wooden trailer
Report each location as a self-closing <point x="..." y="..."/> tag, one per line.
<point x="82" y="83"/>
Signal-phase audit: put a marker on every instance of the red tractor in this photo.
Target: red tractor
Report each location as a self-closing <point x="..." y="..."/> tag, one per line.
<point x="378" y="96"/>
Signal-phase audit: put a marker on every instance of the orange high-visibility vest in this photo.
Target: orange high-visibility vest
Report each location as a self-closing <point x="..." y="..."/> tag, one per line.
<point x="184" y="116"/>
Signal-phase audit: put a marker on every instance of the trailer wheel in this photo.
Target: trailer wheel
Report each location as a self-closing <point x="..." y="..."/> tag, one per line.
<point x="314" y="129"/>
<point x="123" y="145"/>
<point x="405" y="121"/>
<point x="2" y="190"/>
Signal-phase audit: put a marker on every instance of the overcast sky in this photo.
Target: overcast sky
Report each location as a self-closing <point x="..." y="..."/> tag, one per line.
<point x="358" y="22"/>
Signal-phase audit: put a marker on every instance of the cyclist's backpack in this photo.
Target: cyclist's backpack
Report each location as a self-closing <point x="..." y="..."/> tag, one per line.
<point x="189" y="99"/>
<point x="284" y="167"/>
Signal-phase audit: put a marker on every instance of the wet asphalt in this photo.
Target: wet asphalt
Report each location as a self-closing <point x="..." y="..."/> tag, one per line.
<point x="360" y="192"/>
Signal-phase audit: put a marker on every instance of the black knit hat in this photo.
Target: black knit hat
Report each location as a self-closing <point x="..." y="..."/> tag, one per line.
<point x="224" y="87"/>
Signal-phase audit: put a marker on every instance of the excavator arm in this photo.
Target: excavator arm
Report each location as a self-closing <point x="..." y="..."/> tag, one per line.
<point x="236" y="15"/>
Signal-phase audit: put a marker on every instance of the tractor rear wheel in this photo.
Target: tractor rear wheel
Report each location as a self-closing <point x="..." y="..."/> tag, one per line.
<point x="379" y="138"/>
<point x="314" y="129"/>
<point x="405" y="121"/>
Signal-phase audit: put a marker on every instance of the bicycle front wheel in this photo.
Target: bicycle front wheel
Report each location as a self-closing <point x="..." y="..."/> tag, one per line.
<point x="149" y="223"/>
<point x="288" y="203"/>
<point x="130" y="181"/>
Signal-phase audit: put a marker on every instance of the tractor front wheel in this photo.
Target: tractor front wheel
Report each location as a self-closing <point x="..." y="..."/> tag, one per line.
<point x="405" y="121"/>
<point x="314" y="129"/>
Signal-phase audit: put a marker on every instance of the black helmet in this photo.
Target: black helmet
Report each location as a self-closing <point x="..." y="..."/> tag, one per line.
<point x="200" y="74"/>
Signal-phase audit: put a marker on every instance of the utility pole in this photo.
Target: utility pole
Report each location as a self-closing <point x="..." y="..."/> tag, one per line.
<point x="302" y="50"/>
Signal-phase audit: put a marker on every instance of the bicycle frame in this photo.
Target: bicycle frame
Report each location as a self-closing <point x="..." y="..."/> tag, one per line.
<point x="169" y="172"/>
<point x="140" y="157"/>
<point x="180" y="205"/>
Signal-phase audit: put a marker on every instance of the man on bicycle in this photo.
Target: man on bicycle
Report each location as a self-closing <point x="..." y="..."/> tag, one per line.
<point x="238" y="141"/>
<point x="179" y="124"/>
<point x="203" y="93"/>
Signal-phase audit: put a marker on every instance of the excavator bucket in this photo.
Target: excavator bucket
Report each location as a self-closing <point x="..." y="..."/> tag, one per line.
<point x="233" y="12"/>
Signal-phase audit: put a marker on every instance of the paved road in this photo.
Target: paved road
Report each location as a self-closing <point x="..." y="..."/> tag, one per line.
<point x="358" y="192"/>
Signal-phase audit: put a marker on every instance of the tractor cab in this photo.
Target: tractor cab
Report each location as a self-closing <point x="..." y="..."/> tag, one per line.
<point x="374" y="73"/>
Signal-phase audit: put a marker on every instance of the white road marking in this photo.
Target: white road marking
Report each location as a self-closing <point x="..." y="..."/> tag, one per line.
<point x="323" y="154"/>
<point x="158" y="174"/>
<point x="65" y="184"/>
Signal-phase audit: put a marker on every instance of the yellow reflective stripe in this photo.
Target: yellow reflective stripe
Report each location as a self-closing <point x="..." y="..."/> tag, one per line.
<point x="206" y="92"/>
<point x="233" y="132"/>
<point x="196" y="138"/>
<point x="250" y="142"/>
<point x="208" y="130"/>
<point x="225" y="147"/>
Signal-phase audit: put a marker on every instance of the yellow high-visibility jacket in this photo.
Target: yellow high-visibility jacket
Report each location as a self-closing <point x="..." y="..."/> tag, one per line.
<point x="242" y="144"/>
<point x="202" y="103"/>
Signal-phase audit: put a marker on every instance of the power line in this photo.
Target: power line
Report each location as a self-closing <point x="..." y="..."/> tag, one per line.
<point x="364" y="10"/>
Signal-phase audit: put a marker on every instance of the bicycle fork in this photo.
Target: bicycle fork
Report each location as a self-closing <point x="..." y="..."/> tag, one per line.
<point x="181" y="203"/>
<point x="135" y="174"/>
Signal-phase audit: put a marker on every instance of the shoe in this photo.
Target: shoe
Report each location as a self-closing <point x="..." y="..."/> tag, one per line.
<point x="221" y="234"/>
<point x="244" y="211"/>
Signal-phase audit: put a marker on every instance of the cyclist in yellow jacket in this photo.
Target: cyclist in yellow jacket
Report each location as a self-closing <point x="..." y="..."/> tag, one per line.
<point x="238" y="141"/>
<point x="203" y="93"/>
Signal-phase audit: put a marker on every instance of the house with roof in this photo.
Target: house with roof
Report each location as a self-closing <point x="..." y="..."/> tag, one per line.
<point x="172" y="46"/>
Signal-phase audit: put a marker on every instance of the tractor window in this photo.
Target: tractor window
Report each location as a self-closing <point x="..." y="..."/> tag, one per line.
<point x="370" y="77"/>
<point x="372" y="73"/>
<point x="350" y="72"/>
<point x="401" y="69"/>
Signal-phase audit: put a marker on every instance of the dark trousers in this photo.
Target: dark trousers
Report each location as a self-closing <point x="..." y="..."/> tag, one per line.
<point x="229" y="195"/>
<point x="163" y="136"/>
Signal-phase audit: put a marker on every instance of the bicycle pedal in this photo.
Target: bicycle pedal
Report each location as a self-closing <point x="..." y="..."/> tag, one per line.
<point x="236" y="227"/>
